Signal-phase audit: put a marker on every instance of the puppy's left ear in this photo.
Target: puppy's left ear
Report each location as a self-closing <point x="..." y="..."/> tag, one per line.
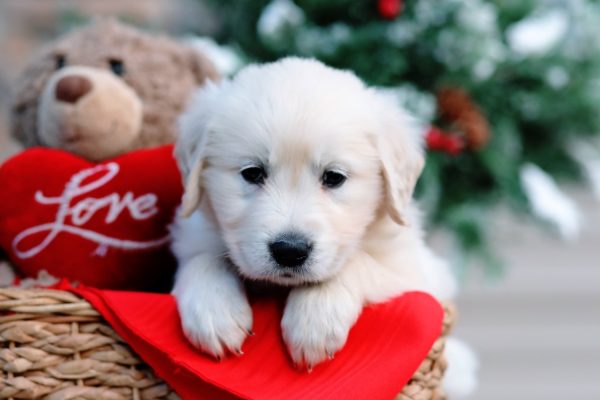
<point x="400" y="151"/>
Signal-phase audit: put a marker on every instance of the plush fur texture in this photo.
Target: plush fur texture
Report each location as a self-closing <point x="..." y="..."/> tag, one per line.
<point x="297" y="118"/>
<point x="119" y="113"/>
<point x="460" y="380"/>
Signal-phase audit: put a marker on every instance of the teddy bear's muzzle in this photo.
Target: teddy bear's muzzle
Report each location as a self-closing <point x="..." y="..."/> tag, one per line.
<point x="90" y="112"/>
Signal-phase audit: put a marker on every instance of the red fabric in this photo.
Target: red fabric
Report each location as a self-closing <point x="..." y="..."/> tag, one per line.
<point x="108" y="230"/>
<point x="383" y="351"/>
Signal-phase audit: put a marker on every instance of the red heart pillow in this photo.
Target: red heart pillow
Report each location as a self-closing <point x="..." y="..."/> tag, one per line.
<point x="384" y="349"/>
<point x="105" y="224"/>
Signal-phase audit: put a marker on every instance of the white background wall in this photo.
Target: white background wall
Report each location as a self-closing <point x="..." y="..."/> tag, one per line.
<point x="537" y="329"/>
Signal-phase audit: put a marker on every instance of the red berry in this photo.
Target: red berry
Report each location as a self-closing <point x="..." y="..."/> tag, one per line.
<point x="438" y="140"/>
<point x="454" y="145"/>
<point x="389" y="9"/>
<point x="434" y="138"/>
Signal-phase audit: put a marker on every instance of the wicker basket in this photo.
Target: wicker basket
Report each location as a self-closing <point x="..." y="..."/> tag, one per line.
<point x="54" y="345"/>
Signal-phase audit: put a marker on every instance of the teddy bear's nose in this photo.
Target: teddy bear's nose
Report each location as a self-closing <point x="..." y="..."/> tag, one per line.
<point x="72" y="87"/>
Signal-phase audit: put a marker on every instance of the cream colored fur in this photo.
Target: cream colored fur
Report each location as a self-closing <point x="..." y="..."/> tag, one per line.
<point x="298" y="118"/>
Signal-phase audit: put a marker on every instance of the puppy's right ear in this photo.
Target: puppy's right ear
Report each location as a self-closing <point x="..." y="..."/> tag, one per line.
<point x="192" y="141"/>
<point x="192" y="194"/>
<point x="202" y="67"/>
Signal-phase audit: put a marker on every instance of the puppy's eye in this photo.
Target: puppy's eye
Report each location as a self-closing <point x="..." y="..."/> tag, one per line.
<point x="254" y="175"/>
<point x="60" y="61"/>
<point x="117" y="66"/>
<point x="333" y="179"/>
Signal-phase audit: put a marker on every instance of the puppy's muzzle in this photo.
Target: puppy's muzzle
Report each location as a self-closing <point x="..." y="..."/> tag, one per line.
<point x="290" y="250"/>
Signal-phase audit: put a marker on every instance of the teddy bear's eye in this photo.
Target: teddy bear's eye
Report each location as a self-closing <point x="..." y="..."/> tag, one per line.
<point x="60" y="61"/>
<point x="117" y="66"/>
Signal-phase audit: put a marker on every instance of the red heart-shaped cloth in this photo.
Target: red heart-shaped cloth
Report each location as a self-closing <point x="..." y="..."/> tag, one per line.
<point x="383" y="351"/>
<point x="104" y="224"/>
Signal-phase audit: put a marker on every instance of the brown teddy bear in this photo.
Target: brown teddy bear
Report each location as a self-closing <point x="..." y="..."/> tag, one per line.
<point x="106" y="89"/>
<point x="103" y="90"/>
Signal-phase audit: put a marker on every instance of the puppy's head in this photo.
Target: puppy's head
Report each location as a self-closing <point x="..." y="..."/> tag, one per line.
<point x="295" y="160"/>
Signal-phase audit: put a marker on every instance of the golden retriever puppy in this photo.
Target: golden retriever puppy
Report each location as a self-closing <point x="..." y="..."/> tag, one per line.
<point x="299" y="175"/>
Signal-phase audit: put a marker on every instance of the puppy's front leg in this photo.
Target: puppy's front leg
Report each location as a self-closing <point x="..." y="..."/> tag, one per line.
<point x="317" y="318"/>
<point x="212" y="303"/>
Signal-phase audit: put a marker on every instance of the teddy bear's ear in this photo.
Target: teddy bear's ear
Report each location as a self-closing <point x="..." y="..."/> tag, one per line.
<point x="23" y="112"/>
<point x="202" y="67"/>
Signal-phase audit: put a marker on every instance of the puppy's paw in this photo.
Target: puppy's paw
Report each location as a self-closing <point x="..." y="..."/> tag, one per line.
<point x="217" y="322"/>
<point x="316" y="322"/>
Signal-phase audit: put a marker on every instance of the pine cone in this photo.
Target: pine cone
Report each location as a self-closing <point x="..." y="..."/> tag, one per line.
<point x="456" y="106"/>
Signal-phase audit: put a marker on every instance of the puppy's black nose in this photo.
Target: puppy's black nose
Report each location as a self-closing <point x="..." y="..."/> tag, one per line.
<point x="290" y="250"/>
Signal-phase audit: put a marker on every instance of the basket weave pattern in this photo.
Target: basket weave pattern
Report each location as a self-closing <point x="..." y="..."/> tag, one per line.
<point x="54" y="345"/>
